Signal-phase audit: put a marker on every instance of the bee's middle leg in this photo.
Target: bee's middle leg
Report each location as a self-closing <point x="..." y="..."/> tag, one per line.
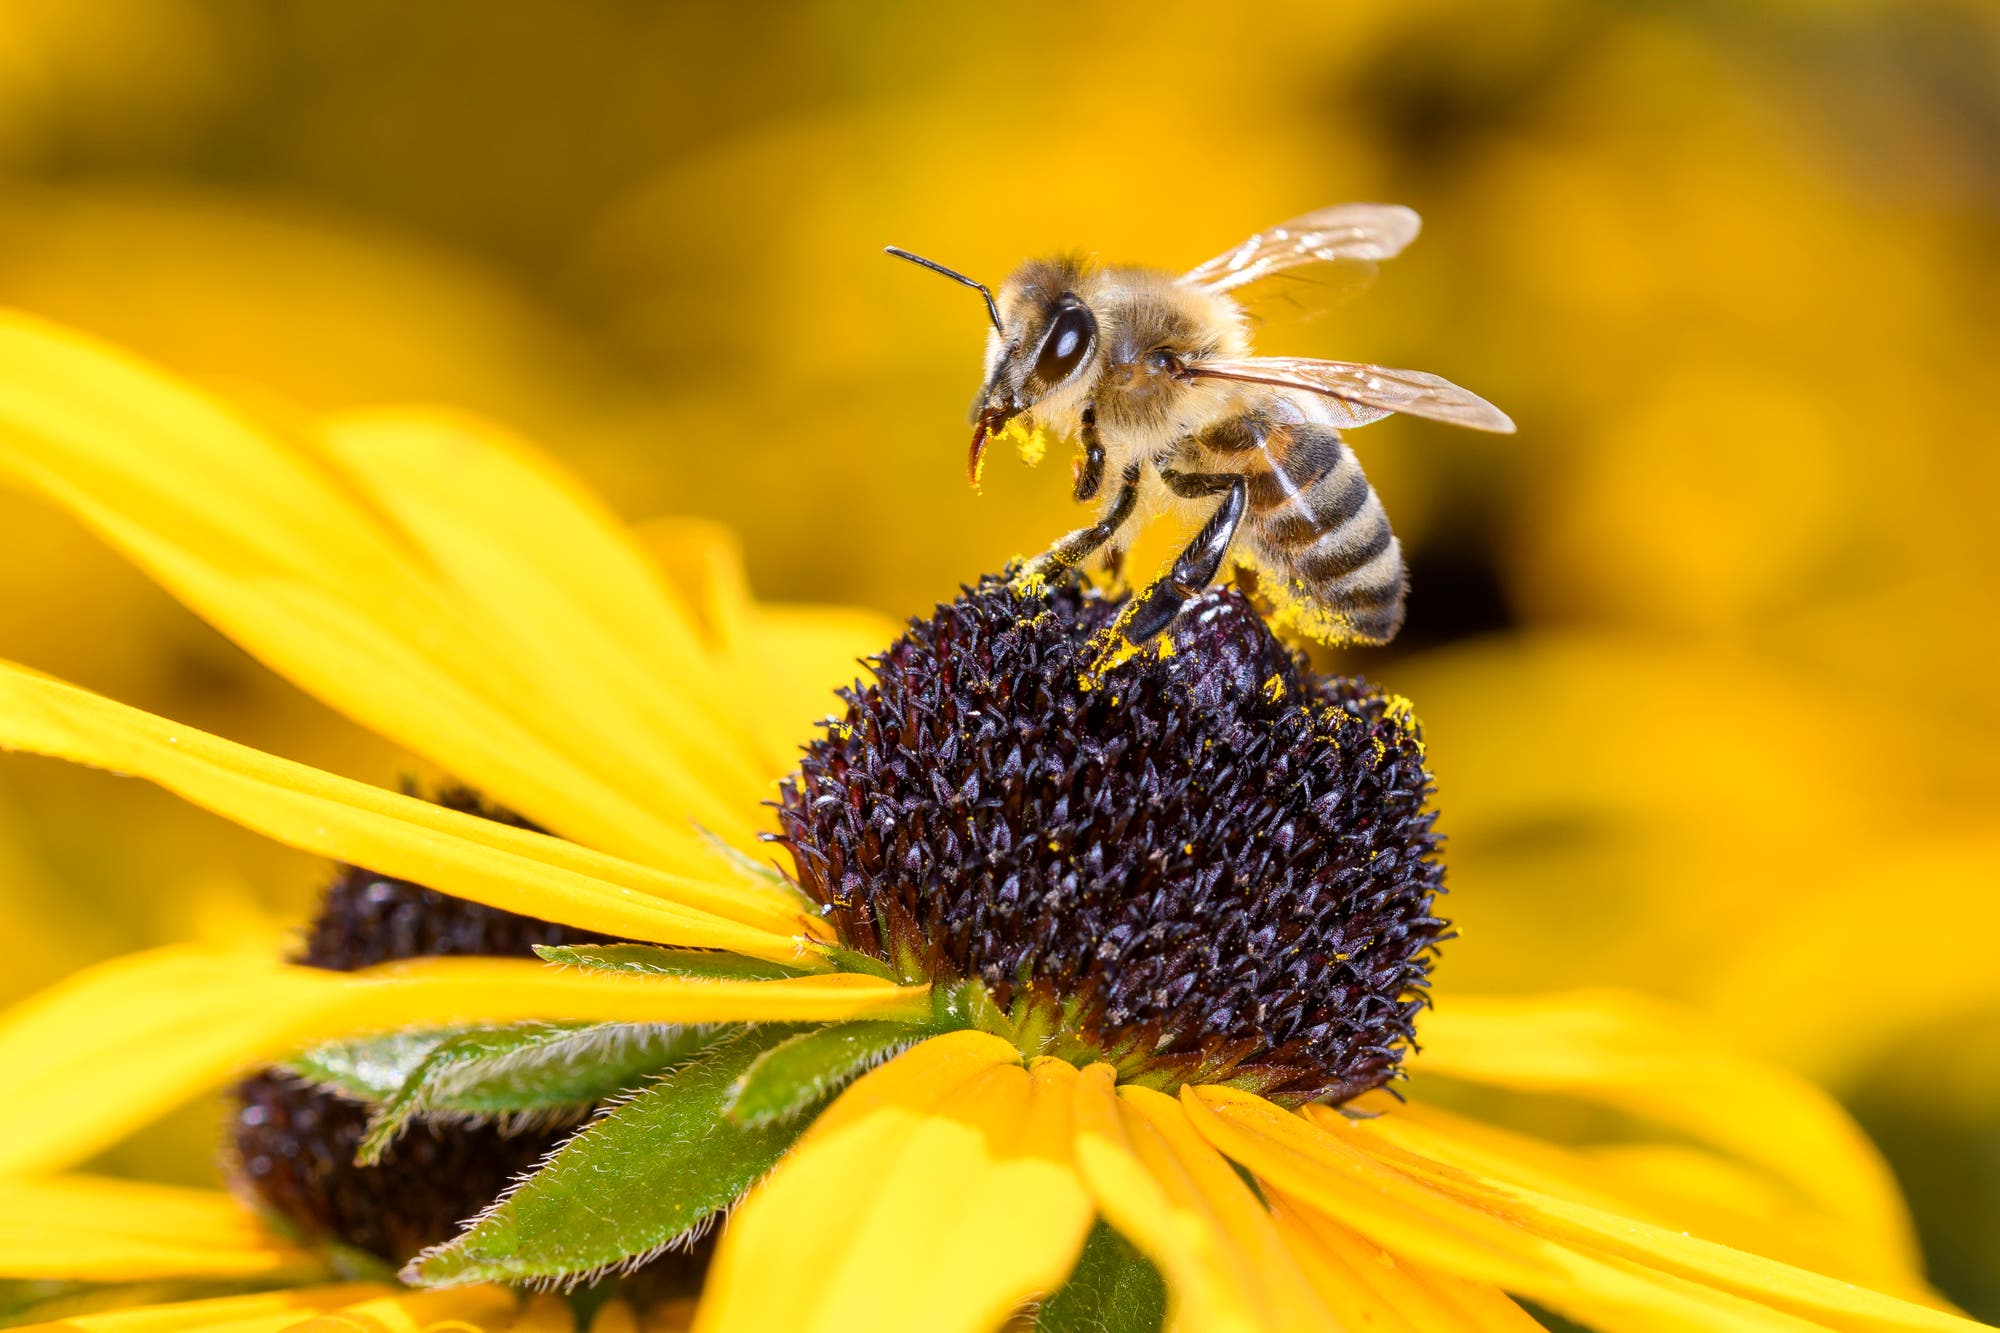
<point x="1200" y="562"/>
<point x="1080" y="545"/>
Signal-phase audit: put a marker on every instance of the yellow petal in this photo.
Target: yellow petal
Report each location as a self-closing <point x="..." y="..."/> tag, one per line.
<point x="1410" y="1220"/>
<point x="1639" y="1056"/>
<point x="561" y="584"/>
<point x="799" y="655"/>
<point x="546" y="1312"/>
<point x="114" y="1046"/>
<point x="1680" y="1187"/>
<point x="265" y="1312"/>
<point x="96" y="1229"/>
<point x="703" y="561"/>
<point x="942" y="1199"/>
<point x="1676" y="1254"/>
<point x="1369" y="1288"/>
<point x="1586" y="1265"/>
<point x="396" y="835"/>
<point x="671" y="1316"/>
<point x="262" y="541"/>
<point x="918" y="1077"/>
<point x="1177" y="1200"/>
<point x="784" y="662"/>
<point x="467" y="1309"/>
<point x="615" y="1316"/>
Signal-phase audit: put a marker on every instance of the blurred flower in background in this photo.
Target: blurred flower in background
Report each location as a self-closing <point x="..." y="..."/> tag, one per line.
<point x="1734" y="269"/>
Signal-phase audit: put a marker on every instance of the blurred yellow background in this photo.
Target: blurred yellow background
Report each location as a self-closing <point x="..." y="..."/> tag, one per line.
<point x="1704" y="652"/>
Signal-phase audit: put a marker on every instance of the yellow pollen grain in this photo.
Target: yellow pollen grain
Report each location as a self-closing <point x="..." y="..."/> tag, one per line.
<point x="1294" y="611"/>
<point x="1403" y="713"/>
<point x="1274" y="688"/>
<point x="1030" y="442"/>
<point x="1111" y="650"/>
<point x="1030" y="581"/>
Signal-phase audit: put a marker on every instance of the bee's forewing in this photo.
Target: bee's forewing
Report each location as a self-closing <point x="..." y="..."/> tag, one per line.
<point x="1369" y="393"/>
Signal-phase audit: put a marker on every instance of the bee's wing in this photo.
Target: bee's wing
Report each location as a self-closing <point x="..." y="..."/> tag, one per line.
<point x="1343" y="242"/>
<point x="1367" y="393"/>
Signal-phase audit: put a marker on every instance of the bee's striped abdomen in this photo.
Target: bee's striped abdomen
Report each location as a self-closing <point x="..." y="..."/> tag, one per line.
<point x="1313" y="515"/>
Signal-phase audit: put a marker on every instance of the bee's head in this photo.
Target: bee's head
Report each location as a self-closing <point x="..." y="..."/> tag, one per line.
<point x="1043" y="349"/>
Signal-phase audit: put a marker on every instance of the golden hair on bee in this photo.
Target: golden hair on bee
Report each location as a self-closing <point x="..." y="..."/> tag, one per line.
<point x="1153" y="377"/>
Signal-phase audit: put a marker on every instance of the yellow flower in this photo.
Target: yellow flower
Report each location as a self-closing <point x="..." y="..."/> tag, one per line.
<point x="442" y="585"/>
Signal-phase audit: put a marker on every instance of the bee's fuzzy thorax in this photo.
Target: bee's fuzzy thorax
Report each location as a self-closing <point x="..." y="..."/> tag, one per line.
<point x="1209" y="856"/>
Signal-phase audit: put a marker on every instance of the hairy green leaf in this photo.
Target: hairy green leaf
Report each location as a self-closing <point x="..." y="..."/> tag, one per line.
<point x="1113" y="1289"/>
<point x="367" y="1069"/>
<point x="653" y="960"/>
<point x="801" y="1070"/>
<point x="529" y="1068"/>
<point x="630" y="1183"/>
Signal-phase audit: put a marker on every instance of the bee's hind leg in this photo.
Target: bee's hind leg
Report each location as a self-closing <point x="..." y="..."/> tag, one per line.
<point x="1201" y="561"/>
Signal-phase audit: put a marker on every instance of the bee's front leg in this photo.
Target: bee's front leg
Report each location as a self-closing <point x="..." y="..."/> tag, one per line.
<point x="1080" y="545"/>
<point x="1090" y="472"/>
<point x="1200" y="562"/>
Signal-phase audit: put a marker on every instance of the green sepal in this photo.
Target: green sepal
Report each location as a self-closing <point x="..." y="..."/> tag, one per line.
<point x="845" y="959"/>
<point x="652" y="960"/>
<point x="367" y="1069"/>
<point x="968" y="1004"/>
<point x="628" y="1184"/>
<point x="1113" y="1289"/>
<point x="761" y="872"/>
<point x="527" y="1069"/>
<point x="803" y="1070"/>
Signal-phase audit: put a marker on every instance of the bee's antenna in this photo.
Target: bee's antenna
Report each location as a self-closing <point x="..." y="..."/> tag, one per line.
<point x="992" y="310"/>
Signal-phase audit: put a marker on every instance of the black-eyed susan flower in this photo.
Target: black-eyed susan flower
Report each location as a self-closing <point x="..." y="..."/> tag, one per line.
<point x="1073" y="996"/>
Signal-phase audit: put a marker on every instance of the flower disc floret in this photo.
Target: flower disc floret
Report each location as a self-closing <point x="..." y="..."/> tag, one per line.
<point x="1199" y="860"/>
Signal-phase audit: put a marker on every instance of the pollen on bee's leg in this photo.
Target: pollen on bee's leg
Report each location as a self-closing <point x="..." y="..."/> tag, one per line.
<point x="1030" y="578"/>
<point x="1203" y="861"/>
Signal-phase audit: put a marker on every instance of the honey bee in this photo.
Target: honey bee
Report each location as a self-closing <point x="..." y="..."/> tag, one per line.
<point x="1153" y="377"/>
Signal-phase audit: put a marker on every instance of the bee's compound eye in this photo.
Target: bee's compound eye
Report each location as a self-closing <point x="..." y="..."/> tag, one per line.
<point x="1066" y="344"/>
